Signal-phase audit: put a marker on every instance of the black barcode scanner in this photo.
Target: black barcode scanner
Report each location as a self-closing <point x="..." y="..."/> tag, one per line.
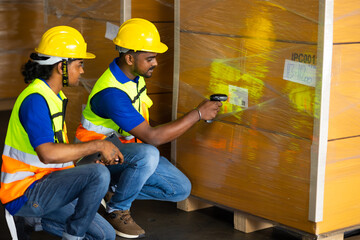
<point x="217" y="97"/>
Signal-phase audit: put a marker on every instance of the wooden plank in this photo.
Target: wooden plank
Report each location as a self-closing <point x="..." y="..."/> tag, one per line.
<point x="192" y="204"/>
<point x="247" y="223"/>
<point x="346" y="21"/>
<point x="338" y="236"/>
<point x="344" y="110"/>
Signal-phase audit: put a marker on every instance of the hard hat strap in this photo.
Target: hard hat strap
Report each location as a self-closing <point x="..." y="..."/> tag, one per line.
<point x="121" y="49"/>
<point x="65" y="76"/>
<point x="49" y="61"/>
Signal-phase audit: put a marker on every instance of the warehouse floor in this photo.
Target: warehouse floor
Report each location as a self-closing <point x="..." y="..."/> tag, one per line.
<point x="163" y="221"/>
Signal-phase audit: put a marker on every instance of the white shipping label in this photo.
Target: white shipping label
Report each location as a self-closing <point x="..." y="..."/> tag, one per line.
<point x="111" y="30"/>
<point x="300" y="73"/>
<point x="238" y="96"/>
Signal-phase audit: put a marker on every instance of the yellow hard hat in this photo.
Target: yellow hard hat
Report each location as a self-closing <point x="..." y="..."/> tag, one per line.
<point x="139" y="35"/>
<point x="64" y="42"/>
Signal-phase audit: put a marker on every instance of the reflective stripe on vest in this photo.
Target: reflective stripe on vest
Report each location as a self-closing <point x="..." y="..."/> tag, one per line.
<point x="21" y="166"/>
<point x="93" y="123"/>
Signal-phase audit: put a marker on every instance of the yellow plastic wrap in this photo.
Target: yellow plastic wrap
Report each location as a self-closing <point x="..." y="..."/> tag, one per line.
<point x="257" y="156"/>
<point x="263" y="55"/>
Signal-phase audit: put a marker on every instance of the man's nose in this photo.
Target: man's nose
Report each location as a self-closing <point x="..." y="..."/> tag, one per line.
<point x="155" y="63"/>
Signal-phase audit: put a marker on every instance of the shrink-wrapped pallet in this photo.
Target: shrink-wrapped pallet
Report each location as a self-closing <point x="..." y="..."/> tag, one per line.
<point x="264" y="155"/>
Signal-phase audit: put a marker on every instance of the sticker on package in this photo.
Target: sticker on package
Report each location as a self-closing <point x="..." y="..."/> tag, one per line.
<point x="300" y="73"/>
<point x="238" y="96"/>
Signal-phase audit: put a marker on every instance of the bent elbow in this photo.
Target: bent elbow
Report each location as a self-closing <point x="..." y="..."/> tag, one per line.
<point x="45" y="160"/>
<point x="45" y="153"/>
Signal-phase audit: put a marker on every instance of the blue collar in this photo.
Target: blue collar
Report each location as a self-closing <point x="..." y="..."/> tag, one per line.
<point x="49" y="87"/>
<point x="119" y="74"/>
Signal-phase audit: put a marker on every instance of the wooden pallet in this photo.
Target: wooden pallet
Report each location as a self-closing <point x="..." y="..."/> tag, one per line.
<point x="242" y="222"/>
<point x="248" y="223"/>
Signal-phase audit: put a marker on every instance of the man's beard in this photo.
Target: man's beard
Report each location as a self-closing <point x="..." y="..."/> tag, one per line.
<point x="148" y="74"/>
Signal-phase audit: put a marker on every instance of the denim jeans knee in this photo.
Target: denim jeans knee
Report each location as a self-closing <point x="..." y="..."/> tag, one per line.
<point x="101" y="176"/>
<point x="151" y="158"/>
<point x="140" y="162"/>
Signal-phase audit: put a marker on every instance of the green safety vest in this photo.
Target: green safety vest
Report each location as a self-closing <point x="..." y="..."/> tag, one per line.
<point x="21" y="165"/>
<point x="137" y="94"/>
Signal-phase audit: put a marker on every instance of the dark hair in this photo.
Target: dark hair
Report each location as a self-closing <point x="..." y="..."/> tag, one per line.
<point x="132" y="52"/>
<point x="32" y="70"/>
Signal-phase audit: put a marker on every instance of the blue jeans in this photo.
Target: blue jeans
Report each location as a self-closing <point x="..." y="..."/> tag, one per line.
<point x="145" y="175"/>
<point x="67" y="202"/>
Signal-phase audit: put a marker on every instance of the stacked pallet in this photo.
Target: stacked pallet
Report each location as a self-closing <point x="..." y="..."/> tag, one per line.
<point x="258" y="156"/>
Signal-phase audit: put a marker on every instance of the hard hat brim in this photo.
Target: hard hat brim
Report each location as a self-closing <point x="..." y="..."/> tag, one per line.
<point x="160" y="48"/>
<point x="87" y="55"/>
<point x="90" y="56"/>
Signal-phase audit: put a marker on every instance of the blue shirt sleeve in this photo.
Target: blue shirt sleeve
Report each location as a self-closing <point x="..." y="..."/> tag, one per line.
<point x="116" y="105"/>
<point x="34" y="115"/>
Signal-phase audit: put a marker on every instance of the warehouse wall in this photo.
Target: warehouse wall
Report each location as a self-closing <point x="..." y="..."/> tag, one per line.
<point x="21" y="28"/>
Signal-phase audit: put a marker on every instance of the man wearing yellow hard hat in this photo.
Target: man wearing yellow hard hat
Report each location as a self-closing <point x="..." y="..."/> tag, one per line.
<point x="38" y="178"/>
<point x="119" y="102"/>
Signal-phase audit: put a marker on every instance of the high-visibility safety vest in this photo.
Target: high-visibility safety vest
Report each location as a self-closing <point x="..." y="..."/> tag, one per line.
<point x="21" y="165"/>
<point x="94" y="127"/>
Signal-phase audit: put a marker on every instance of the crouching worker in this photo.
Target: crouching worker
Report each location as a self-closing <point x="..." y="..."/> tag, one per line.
<point x="38" y="179"/>
<point x="119" y="102"/>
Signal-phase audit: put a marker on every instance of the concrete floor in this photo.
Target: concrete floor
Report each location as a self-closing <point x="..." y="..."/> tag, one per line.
<point x="163" y="221"/>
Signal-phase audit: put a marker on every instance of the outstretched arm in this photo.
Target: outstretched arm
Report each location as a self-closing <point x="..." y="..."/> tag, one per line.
<point x="170" y="131"/>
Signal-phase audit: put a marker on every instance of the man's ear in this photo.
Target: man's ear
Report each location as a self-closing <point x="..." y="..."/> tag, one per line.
<point x="129" y="59"/>
<point x="59" y="68"/>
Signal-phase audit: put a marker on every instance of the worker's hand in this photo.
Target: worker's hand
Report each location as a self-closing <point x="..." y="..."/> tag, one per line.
<point x="110" y="154"/>
<point x="209" y="109"/>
